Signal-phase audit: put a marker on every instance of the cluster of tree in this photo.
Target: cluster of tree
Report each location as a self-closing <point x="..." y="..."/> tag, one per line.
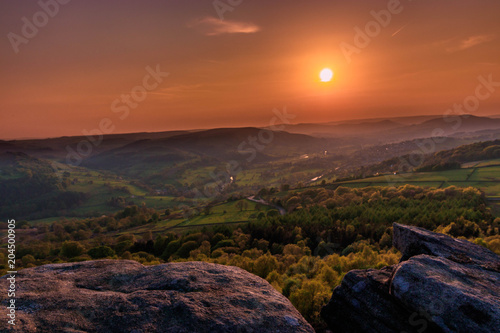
<point x="303" y="254"/>
<point x="118" y="202"/>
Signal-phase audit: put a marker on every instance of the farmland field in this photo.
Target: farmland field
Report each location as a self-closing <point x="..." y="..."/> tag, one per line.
<point x="485" y="178"/>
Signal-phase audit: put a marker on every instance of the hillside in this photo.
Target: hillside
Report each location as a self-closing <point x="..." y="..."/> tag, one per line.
<point x="31" y="187"/>
<point x="240" y="144"/>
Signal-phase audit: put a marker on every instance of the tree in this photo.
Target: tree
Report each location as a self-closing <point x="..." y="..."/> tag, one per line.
<point x="386" y="240"/>
<point x="155" y="217"/>
<point x="265" y="265"/>
<point x="28" y="260"/>
<point x="171" y="248"/>
<point x="71" y="249"/>
<point x="187" y="247"/>
<point x="207" y="210"/>
<point x="148" y="236"/>
<point x="101" y="252"/>
<point x="310" y="298"/>
<point x="263" y="192"/>
<point x="272" y="212"/>
<point x="284" y="187"/>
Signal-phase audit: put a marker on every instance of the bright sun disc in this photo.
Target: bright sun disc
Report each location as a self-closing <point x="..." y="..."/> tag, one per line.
<point x="326" y="75"/>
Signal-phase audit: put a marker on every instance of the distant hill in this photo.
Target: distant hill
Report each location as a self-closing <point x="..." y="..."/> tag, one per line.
<point x="383" y="131"/>
<point x="209" y="147"/>
<point x="376" y="131"/>
<point x="465" y="123"/>
<point x="343" y="129"/>
<point x="407" y="120"/>
<point x="56" y="147"/>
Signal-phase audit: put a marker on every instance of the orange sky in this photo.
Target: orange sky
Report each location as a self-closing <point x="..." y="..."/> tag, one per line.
<point x="233" y="72"/>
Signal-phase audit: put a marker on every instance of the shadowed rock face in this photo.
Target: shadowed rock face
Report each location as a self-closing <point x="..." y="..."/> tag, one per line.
<point x="441" y="285"/>
<point x="125" y="296"/>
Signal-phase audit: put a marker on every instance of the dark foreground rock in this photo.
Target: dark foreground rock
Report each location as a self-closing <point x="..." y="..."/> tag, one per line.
<point x="441" y="285"/>
<point x="125" y="296"/>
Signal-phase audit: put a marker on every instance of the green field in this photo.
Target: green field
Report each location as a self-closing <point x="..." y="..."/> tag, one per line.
<point x="223" y="213"/>
<point x="229" y="212"/>
<point x="483" y="175"/>
<point x="486" y="173"/>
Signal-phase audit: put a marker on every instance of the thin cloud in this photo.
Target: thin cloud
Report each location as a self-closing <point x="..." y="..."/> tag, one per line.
<point x="469" y="42"/>
<point x="399" y="30"/>
<point x="179" y="90"/>
<point x="212" y="26"/>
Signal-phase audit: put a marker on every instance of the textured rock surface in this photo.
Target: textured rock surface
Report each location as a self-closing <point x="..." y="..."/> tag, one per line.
<point x="440" y="285"/>
<point x="125" y="296"/>
<point x="412" y="241"/>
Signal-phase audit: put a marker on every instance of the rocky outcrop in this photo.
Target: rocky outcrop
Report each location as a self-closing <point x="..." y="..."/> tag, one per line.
<point x="125" y="296"/>
<point x="442" y="284"/>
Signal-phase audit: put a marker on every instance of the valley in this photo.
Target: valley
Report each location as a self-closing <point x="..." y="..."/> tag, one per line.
<point x="300" y="211"/>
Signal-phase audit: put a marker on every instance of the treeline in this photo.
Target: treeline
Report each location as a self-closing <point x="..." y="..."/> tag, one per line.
<point x="440" y="161"/>
<point x="467" y="153"/>
<point x="303" y="254"/>
<point x="440" y="166"/>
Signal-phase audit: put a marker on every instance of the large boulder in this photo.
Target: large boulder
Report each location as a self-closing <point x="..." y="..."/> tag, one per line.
<point x="125" y="296"/>
<point x="412" y="241"/>
<point x="441" y="285"/>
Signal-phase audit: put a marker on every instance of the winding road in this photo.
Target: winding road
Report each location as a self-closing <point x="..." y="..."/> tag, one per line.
<point x="263" y="202"/>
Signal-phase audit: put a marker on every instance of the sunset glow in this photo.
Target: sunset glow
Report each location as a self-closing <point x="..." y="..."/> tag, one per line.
<point x="65" y="78"/>
<point x="326" y="75"/>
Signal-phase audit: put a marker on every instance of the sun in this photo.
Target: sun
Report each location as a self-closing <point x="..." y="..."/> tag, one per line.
<point x="326" y="75"/>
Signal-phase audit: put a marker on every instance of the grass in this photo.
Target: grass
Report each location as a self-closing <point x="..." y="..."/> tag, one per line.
<point x="191" y="176"/>
<point x="417" y="183"/>
<point x="487" y="173"/>
<point x="356" y="184"/>
<point x="223" y="213"/>
<point x="228" y="212"/>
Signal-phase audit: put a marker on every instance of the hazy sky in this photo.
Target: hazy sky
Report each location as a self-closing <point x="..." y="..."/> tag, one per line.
<point x="86" y="56"/>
